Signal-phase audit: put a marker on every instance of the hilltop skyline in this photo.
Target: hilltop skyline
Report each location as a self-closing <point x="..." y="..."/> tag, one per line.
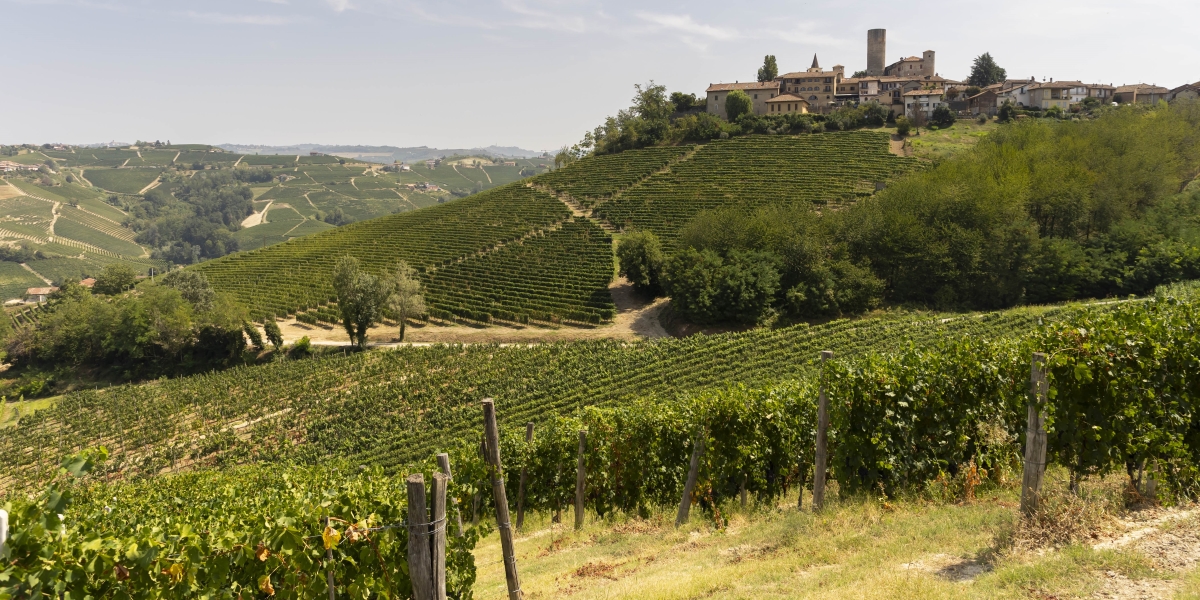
<point x="533" y="74"/>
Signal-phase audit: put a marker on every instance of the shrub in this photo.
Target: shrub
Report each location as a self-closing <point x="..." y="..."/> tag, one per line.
<point x="737" y="103"/>
<point x="943" y="117"/>
<point x="273" y="333"/>
<point x="640" y="257"/>
<point x="903" y="126"/>
<point x="254" y="334"/>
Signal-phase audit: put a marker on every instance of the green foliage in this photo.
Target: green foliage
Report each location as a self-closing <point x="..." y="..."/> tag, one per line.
<point x="192" y="218"/>
<point x="640" y="257"/>
<point x="271" y="328"/>
<point x="708" y="288"/>
<point x="685" y="102"/>
<point x="115" y="279"/>
<point x="406" y="300"/>
<point x="645" y="123"/>
<point x="256" y="337"/>
<point x="770" y="69"/>
<point x="1007" y="113"/>
<point x="361" y="298"/>
<point x="943" y="117"/>
<point x="985" y="71"/>
<point x="243" y="532"/>
<point x="738" y="103"/>
<point x="903" y="126"/>
<point x="194" y="288"/>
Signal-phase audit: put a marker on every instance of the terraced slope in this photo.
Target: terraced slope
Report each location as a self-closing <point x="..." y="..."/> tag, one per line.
<point x="822" y="170"/>
<point x="284" y="278"/>
<point x="598" y="177"/>
<point x="392" y="407"/>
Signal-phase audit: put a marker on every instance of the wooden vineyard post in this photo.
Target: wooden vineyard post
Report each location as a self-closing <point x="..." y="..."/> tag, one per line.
<point x="443" y="461"/>
<point x="3" y="529"/>
<point x="685" y="504"/>
<point x="1035" y="437"/>
<point x="580" y="480"/>
<point x="437" y="535"/>
<point x="524" y="479"/>
<point x="822" y="450"/>
<point x="328" y="568"/>
<point x="492" y="439"/>
<point x="419" y="560"/>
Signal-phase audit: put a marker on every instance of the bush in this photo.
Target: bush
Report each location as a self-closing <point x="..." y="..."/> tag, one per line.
<point x="706" y="288"/>
<point x="737" y="103"/>
<point x="943" y="117"/>
<point x="115" y="279"/>
<point x="254" y="334"/>
<point x="302" y="348"/>
<point x="274" y="334"/>
<point x="903" y="126"/>
<point x="640" y="257"/>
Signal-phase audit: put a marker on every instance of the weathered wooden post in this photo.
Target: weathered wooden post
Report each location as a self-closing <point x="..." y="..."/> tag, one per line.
<point x="580" y="480"/>
<point x="492" y="437"/>
<point x="420" y="563"/>
<point x="524" y="479"/>
<point x="685" y="504"/>
<point x="329" y="583"/>
<point x="1035" y="437"/>
<point x="3" y="529"/>
<point x="437" y="535"/>
<point x="443" y="461"/>
<point x="822" y="451"/>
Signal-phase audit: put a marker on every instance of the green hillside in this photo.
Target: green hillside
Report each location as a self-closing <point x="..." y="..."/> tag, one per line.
<point x="392" y="407"/>
<point x="630" y="189"/>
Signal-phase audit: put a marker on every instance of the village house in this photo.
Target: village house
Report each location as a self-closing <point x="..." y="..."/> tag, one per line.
<point x="817" y="86"/>
<point x="786" y="104"/>
<point x="923" y="101"/>
<point x="1051" y="94"/>
<point x="38" y="294"/>
<point x="1140" y="93"/>
<point x="1187" y="90"/>
<point x="759" y="92"/>
<point x="913" y="66"/>
<point x="8" y="166"/>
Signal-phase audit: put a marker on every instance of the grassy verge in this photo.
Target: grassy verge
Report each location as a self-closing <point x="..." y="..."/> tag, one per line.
<point x="860" y="548"/>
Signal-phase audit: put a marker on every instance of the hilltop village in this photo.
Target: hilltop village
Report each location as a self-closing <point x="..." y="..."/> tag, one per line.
<point x="912" y="85"/>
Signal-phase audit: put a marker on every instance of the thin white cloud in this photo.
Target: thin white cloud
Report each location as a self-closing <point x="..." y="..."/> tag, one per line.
<point x="532" y="18"/>
<point x="339" y="5"/>
<point x="230" y="19"/>
<point x="687" y="25"/>
<point x="809" y="33"/>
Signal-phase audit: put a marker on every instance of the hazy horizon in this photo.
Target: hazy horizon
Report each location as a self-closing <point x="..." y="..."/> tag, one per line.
<point x="534" y="74"/>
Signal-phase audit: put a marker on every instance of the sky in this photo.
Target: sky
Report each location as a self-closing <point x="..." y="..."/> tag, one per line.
<point x="530" y="73"/>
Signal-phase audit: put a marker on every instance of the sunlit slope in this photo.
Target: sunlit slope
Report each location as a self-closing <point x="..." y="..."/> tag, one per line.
<point x="392" y="407"/>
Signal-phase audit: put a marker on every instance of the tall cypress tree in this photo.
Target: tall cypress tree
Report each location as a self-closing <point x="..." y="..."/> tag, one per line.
<point x="769" y="70"/>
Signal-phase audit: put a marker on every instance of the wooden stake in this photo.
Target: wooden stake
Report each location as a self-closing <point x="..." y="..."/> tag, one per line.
<point x="443" y="461"/>
<point x="524" y="478"/>
<point x="1035" y="437"/>
<point x="822" y="456"/>
<point x="580" y="481"/>
<point x="420" y="563"/>
<point x="437" y="534"/>
<point x="328" y="572"/>
<point x="3" y="529"/>
<point x="492" y="436"/>
<point x="685" y="504"/>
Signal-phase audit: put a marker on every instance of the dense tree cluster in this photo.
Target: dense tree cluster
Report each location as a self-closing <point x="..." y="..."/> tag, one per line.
<point x="189" y="220"/>
<point x="1040" y="211"/>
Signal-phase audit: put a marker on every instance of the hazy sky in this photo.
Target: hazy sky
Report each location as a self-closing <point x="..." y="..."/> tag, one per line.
<point x="532" y="73"/>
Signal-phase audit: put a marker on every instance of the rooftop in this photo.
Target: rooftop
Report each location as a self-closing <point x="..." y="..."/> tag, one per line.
<point x="787" y="98"/>
<point x="750" y="85"/>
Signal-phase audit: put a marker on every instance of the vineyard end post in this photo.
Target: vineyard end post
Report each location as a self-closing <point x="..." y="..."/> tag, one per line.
<point x="420" y="564"/>
<point x="685" y="503"/>
<point x="3" y="528"/>
<point x="443" y="461"/>
<point x="581" y="480"/>
<point x="524" y="479"/>
<point x="437" y="535"/>
<point x="329" y="583"/>
<point x="822" y="446"/>
<point x="492" y="438"/>
<point x="1035" y="437"/>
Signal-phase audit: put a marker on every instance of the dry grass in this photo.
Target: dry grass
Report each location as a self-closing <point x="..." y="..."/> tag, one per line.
<point x="860" y="548"/>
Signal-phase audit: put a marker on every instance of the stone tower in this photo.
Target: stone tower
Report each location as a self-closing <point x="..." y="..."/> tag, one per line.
<point x="927" y="63"/>
<point x="876" y="51"/>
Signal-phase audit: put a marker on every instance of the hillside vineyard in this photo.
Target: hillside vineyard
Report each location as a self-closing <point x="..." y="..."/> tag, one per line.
<point x="390" y="408"/>
<point x="476" y="242"/>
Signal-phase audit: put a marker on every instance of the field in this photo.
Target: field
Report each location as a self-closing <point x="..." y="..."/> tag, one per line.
<point x="14" y="280"/>
<point x="336" y="406"/>
<point x="600" y="177"/>
<point x="124" y="181"/>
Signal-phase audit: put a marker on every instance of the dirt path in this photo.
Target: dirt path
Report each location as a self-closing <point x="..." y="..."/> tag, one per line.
<point x="239" y="161"/>
<point x="898" y="147"/>
<point x="152" y="185"/>
<point x="637" y="318"/>
<point x="258" y="218"/>
<point x="1168" y="537"/>
<point x="177" y="155"/>
<point x="85" y="179"/>
<point x="53" y="219"/>
<point x="39" y="275"/>
<point x="125" y="163"/>
<point x="402" y="197"/>
<point x="354" y="185"/>
<point x="310" y="202"/>
<point x="485" y="173"/>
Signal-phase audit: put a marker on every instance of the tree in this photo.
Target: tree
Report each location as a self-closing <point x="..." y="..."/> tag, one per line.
<point x="406" y="299"/>
<point x="252" y="332"/>
<point x="737" y="103"/>
<point x="770" y="69"/>
<point x="1008" y="112"/>
<point x="640" y="257"/>
<point x="360" y="298"/>
<point x="194" y="288"/>
<point x="858" y="74"/>
<point x="972" y="90"/>
<point x="684" y="102"/>
<point x="273" y="333"/>
<point x="903" y="126"/>
<point x="115" y="279"/>
<point x="943" y="117"/>
<point x="985" y="71"/>
<point x="952" y="94"/>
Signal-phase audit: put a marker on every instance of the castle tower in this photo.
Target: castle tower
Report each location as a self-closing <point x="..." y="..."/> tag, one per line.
<point x="927" y="63"/>
<point x="876" y="51"/>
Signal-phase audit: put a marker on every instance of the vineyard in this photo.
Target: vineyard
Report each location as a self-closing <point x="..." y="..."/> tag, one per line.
<point x="367" y="407"/>
<point x="294" y="276"/>
<point x="598" y="177"/>
<point x="821" y="170"/>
